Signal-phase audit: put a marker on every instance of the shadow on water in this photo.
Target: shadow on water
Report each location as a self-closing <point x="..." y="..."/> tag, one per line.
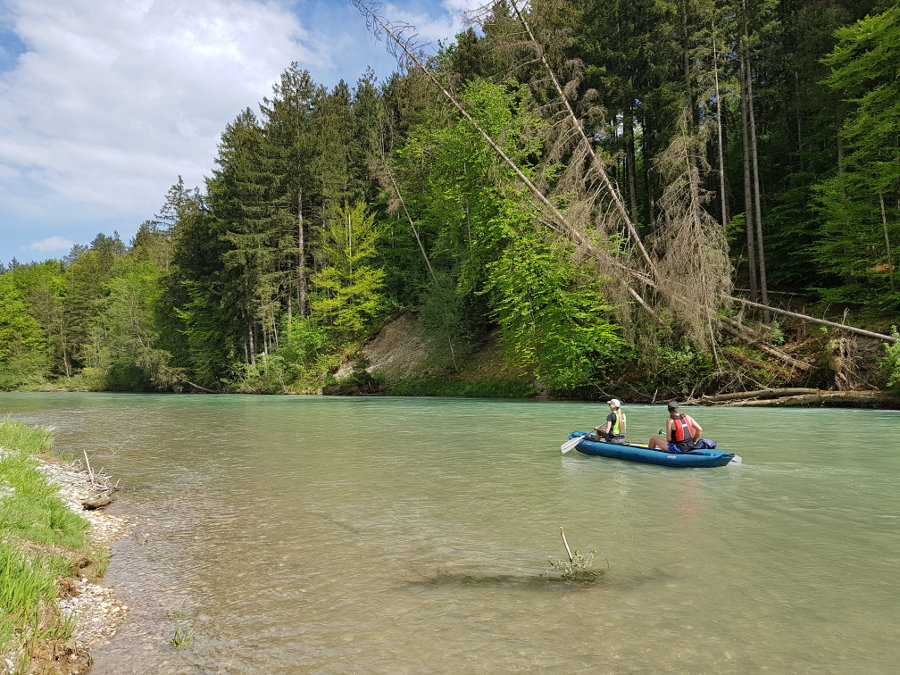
<point x="537" y="580"/>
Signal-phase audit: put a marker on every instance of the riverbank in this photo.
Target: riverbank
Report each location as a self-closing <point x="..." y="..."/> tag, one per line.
<point x="53" y="631"/>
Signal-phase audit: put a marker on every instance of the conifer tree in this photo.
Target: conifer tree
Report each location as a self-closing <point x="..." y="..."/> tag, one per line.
<point x="348" y="295"/>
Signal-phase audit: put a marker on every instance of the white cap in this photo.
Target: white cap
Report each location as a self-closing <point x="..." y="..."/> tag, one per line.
<point x="615" y="403"/>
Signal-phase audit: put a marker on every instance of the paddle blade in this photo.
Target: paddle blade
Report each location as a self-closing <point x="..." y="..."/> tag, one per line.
<point x="737" y="459"/>
<point x="569" y="444"/>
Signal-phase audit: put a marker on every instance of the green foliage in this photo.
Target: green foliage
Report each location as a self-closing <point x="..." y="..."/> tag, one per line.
<point x="305" y="348"/>
<point x="86" y="279"/>
<point x="679" y="369"/>
<point x="23" y="356"/>
<point x="184" y="628"/>
<point x="446" y="318"/>
<point x="861" y="228"/>
<point x="90" y="379"/>
<point x="348" y="294"/>
<point x="204" y="342"/>
<point x="360" y="381"/>
<point x="864" y="69"/>
<point x="43" y="286"/>
<point x="490" y="387"/>
<point x="124" y="337"/>
<point x="777" y="333"/>
<point x="891" y="361"/>
<point x="266" y="375"/>
<point x="218" y="285"/>
<point x="552" y="322"/>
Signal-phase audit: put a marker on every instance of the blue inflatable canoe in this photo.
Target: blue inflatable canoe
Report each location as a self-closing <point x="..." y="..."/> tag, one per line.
<point x="640" y="453"/>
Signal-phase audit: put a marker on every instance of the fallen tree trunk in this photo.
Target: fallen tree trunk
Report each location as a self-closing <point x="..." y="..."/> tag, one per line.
<point x="824" y="322"/>
<point x="572" y="231"/>
<point x="867" y="397"/>
<point x="200" y="388"/>
<point x="733" y="327"/>
<point x="756" y="394"/>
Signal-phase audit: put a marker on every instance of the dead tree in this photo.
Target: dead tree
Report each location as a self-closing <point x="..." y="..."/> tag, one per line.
<point x="640" y="276"/>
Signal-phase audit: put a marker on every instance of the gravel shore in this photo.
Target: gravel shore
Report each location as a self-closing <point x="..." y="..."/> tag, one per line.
<point x="97" y="611"/>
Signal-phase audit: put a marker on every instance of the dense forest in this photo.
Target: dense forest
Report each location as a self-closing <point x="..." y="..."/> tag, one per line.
<point x="599" y="189"/>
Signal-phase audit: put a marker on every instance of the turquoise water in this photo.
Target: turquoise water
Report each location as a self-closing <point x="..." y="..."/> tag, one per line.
<point x="390" y="535"/>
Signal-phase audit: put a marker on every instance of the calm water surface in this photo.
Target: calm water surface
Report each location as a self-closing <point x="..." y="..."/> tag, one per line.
<point x="389" y="535"/>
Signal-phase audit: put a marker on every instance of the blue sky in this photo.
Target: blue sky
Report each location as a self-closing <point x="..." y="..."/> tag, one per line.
<point x="104" y="103"/>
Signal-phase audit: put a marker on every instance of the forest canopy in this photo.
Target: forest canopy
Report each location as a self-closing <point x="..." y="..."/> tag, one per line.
<point x="591" y="187"/>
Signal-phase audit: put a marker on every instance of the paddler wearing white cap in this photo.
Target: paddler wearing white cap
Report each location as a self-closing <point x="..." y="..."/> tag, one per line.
<point x="614" y="430"/>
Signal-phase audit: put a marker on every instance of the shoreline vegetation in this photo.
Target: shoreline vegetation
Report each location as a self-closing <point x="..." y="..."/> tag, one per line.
<point x="54" y="550"/>
<point x="558" y="211"/>
<point x="822" y="369"/>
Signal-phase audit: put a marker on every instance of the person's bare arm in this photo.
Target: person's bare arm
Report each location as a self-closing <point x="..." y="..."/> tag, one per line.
<point x="670" y="430"/>
<point x="698" y="430"/>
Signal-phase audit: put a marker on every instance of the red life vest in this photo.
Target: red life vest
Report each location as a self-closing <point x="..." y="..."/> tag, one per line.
<point x="682" y="430"/>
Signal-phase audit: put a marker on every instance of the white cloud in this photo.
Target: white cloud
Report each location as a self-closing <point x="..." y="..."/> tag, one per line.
<point x="113" y="100"/>
<point x="52" y="244"/>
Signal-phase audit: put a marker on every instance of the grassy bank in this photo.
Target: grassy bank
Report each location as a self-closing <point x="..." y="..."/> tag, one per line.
<point x="41" y="542"/>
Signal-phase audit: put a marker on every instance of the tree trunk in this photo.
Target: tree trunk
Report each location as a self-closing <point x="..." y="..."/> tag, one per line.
<point x="887" y="240"/>
<point x="759" y="393"/>
<point x="648" y="183"/>
<point x="630" y="168"/>
<point x="835" y="398"/>
<point x="757" y="209"/>
<point x="301" y="258"/>
<point x="824" y="322"/>
<point x="748" y="185"/>
<point x="63" y="345"/>
<point x="688" y="83"/>
<point x="251" y="344"/>
<point x="798" y="120"/>
<point x="723" y="200"/>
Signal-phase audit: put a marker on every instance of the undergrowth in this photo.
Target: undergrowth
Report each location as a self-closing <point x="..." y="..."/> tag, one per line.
<point x="491" y="388"/>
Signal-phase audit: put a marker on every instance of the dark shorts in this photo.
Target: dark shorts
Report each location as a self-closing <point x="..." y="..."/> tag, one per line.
<point x="617" y="439"/>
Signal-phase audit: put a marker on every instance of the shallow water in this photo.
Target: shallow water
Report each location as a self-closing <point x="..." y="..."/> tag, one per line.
<point x="391" y="535"/>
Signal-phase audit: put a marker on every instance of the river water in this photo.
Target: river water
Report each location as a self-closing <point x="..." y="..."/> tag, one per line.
<point x="395" y="535"/>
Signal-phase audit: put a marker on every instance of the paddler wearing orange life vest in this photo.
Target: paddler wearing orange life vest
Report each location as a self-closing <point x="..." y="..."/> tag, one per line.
<point x="682" y="433"/>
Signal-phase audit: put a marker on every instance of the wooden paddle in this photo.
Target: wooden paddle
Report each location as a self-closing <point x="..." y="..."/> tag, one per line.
<point x="571" y="443"/>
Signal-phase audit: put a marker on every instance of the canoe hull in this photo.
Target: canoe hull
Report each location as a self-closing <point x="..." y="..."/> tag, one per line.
<point x="637" y="453"/>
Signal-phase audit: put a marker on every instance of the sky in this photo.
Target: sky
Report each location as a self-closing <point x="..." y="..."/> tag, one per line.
<point x="105" y="103"/>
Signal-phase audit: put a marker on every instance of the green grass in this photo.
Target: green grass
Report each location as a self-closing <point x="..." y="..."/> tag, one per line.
<point x="39" y="539"/>
<point x="31" y="440"/>
<point x="184" y="628"/>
